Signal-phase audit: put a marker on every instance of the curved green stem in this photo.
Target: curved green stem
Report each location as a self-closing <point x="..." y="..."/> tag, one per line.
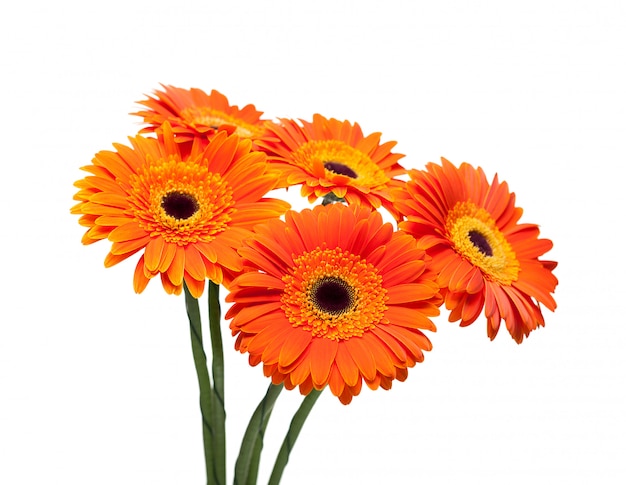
<point x="204" y="381"/>
<point x="290" y="439"/>
<point x="218" y="410"/>
<point x="247" y="465"/>
<point x="331" y="198"/>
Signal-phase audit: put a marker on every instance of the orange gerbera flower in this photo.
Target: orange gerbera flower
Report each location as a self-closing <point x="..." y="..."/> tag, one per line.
<point x="484" y="258"/>
<point x="329" y="155"/>
<point x="186" y="212"/>
<point x="334" y="297"/>
<point x="192" y="112"/>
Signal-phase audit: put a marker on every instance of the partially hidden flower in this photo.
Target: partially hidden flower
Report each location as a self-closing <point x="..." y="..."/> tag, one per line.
<point x="187" y="212"/>
<point x="334" y="297"/>
<point x="328" y="156"/>
<point x="484" y="257"/>
<point x="192" y="112"/>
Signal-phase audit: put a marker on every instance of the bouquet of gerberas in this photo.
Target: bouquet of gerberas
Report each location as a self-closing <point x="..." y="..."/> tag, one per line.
<point x="331" y="296"/>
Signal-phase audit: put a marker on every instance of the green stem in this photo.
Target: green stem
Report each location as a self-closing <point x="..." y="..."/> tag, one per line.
<point x="204" y="380"/>
<point x="218" y="416"/>
<point x="331" y="198"/>
<point x="247" y="464"/>
<point x="253" y="470"/>
<point x="290" y="439"/>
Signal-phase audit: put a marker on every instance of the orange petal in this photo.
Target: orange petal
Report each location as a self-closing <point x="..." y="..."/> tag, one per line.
<point x="374" y="383"/>
<point x="362" y="357"/>
<point x="256" y="325"/>
<point x="403" y="273"/>
<point x="384" y="365"/>
<point x="295" y="344"/>
<point x="139" y="280"/>
<point x="249" y="313"/>
<point x="409" y="317"/>
<point x="113" y="259"/>
<point x="322" y="353"/>
<point x="127" y="232"/>
<point x="167" y="256"/>
<point x="194" y="264"/>
<point x="261" y="280"/>
<point x="196" y="287"/>
<point x="460" y="278"/>
<point x="152" y="255"/>
<point x="277" y="331"/>
<point x="176" y="270"/>
<point x="476" y="282"/>
<point x="208" y="251"/>
<point x="168" y="286"/>
<point x="132" y="246"/>
<point x="335" y="381"/>
<point x="346" y="365"/>
<point x="409" y="293"/>
<point x="472" y="307"/>
<point x="392" y="344"/>
<point x="109" y="199"/>
<point x="273" y="348"/>
<point x="302" y="371"/>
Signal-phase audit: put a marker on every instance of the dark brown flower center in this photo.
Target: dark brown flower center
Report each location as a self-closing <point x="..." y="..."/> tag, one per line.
<point x="480" y="241"/>
<point x="332" y="295"/>
<point x="179" y="205"/>
<point x="340" y="169"/>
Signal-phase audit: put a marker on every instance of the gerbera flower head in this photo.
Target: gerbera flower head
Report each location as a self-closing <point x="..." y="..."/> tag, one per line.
<point x="192" y="112"/>
<point x="484" y="257"/>
<point x="331" y="156"/>
<point x="186" y="212"/>
<point x="334" y="297"/>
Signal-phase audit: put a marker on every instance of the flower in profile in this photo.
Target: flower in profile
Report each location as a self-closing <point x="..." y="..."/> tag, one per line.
<point x="334" y="297"/>
<point x="484" y="257"/>
<point x="192" y="112"/>
<point x="186" y="212"/>
<point x="329" y="156"/>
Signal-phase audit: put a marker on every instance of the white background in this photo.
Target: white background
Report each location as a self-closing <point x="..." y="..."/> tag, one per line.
<point x="97" y="384"/>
